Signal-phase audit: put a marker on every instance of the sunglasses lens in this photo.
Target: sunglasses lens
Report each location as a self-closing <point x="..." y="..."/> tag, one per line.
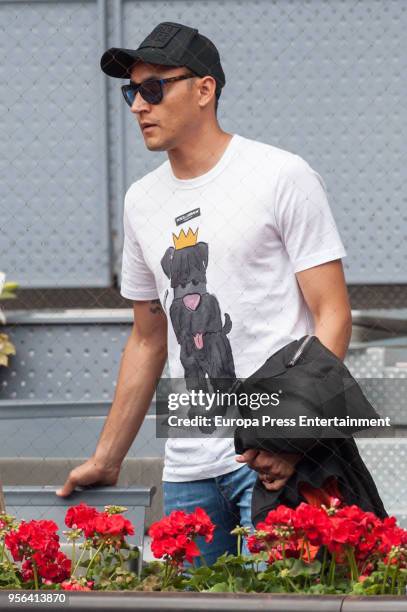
<point x="129" y="95"/>
<point x="152" y="92"/>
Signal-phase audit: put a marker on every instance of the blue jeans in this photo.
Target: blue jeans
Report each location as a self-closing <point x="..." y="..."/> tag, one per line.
<point x="227" y="500"/>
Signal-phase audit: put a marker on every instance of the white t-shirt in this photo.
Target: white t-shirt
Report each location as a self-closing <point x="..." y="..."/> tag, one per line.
<point x="225" y="247"/>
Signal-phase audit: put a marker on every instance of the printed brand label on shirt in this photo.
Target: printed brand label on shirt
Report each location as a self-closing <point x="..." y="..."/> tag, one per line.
<point x="187" y="216"/>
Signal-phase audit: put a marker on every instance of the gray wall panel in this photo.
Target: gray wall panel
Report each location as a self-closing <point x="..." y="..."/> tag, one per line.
<point x="53" y="203"/>
<point x="64" y="362"/>
<point x="69" y="437"/>
<point x="321" y="79"/>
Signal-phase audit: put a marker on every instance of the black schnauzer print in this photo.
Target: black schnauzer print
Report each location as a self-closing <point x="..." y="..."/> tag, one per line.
<point x="196" y="316"/>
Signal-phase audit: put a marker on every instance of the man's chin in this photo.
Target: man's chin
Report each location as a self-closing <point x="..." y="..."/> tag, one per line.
<point x="153" y="145"/>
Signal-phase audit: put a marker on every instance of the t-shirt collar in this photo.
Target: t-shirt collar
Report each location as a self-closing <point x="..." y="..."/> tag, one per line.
<point x="197" y="181"/>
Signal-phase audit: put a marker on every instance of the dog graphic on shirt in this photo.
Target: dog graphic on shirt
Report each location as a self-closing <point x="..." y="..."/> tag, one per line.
<point x="196" y="316"/>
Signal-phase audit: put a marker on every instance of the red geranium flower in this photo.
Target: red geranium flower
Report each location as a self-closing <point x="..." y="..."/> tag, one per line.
<point x="74" y="585"/>
<point x="313" y="523"/>
<point x="27" y="571"/>
<point x="282" y="515"/>
<point x="388" y="535"/>
<point x="34" y="536"/>
<point x="203" y="525"/>
<point x="255" y="544"/>
<point x="112" y="524"/>
<point x="37" y="542"/>
<point x="94" y="523"/>
<point x="173" y="536"/>
<point x="57" y="569"/>
<point x="77" y="517"/>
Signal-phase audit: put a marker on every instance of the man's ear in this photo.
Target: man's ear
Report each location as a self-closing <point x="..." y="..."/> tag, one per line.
<point x="207" y="88"/>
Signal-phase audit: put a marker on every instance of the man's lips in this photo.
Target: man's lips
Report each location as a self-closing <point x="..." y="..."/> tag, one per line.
<point x="147" y="126"/>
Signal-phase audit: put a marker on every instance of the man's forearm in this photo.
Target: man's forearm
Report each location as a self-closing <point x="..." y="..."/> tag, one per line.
<point x="325" y="292"/>
<point x="141" y="366"/>
<point x="334" y="331"/>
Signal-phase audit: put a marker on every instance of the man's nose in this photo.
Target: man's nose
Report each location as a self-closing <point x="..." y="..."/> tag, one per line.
<point x="139" y="104"/>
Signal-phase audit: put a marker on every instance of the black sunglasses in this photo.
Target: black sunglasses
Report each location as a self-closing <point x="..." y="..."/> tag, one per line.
<point x="150" y="90"/>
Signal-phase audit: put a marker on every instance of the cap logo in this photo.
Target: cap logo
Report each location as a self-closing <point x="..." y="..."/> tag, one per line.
<point x="160" y="36"/>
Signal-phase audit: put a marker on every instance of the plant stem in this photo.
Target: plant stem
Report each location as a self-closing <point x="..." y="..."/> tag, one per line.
<point x="355" y="565"/>
<point x="302" y="548"/>
<point x="35" y="576"/>
<point x="239" y="544"/>
<point x="230" y="578"/>
<point x="167" y="573"/>
<point x="332" y="571"/>
<point x="393" y="581"/>
<point x="386" y="575"/>
<point x="252" y="570"/>
<point x="78" y="562"/>
<point x="121" y="558"/>
<point x="324" y="558"/>
<point x="283" y="553"/>
<point x="73" y="554"/>
<point x="307" y="581"/>
<point x="352" y="577"/>
<point x="293" y="585"/>
<point x="352" y="564"/>
<point x="308" y="551"/>
<point x="5" y="556"/>
<point x="99" y="548"/>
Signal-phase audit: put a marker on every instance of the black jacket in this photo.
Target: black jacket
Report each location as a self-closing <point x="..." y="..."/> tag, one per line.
<point x="312" y="382"/>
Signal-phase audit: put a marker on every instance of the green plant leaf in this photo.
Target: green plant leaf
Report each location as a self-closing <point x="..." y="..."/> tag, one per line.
<point x="220" y="587"/>
<point x="300" y="568"/>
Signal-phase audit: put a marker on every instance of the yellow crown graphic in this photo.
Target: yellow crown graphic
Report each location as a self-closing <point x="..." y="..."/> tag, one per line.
<point x="185" y="239"/>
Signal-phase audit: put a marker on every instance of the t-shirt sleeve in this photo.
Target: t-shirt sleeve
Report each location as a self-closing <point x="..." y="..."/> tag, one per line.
<point x="304" y="218"/>
<point x="137" y="280"/>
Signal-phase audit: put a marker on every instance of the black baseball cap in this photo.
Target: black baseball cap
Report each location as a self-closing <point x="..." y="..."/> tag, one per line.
<point x="169" y="44"/>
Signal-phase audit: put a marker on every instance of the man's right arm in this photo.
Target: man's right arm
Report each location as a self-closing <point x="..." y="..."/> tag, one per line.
<point x="141" y="366"/>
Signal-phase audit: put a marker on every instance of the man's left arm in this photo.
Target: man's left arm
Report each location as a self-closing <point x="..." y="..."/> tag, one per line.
<point x="308" y="232"/>
<point x="324" y="290"/>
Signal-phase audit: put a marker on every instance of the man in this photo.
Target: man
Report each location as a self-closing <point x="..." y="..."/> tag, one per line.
<point x="234" y="242"/>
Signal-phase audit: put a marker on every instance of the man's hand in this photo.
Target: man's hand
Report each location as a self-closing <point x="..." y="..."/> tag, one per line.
<point x="274" y="469"/>
<point x="91" y="472"/>
<point x="141" y="366"/>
